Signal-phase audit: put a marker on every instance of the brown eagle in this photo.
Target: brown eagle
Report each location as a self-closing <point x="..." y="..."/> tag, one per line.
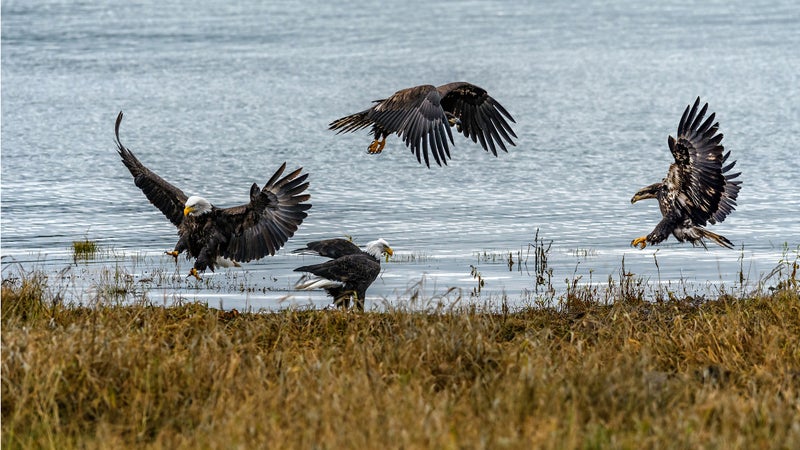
<point x="422" y="117"/>
<point x="213" y="235"/>
<point x="349" y="272"/>
<point x="698" y="188"/>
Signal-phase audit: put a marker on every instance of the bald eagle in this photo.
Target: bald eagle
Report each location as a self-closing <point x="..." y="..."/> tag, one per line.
<point x="422" y="117"/>
<point x="699" y="187"/>
<point x="349" y="272"/>
<point x="240" y="233"/>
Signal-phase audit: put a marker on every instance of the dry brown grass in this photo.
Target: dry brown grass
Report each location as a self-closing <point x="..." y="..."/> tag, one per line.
<point x="723" y="373"/>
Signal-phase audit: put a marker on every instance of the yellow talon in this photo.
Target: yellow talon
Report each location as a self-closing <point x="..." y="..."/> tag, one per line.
<point x="376" y="146"/>
<point x="193" y="273"/>
<point x="174" y="254"/>
<point x="640" y="241"/>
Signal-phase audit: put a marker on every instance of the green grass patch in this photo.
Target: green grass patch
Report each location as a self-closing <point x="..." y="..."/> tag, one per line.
<point x="84" y="250"/>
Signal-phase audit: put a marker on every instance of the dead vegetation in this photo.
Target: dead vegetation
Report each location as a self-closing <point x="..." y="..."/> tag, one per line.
<point x="624" y="373"/>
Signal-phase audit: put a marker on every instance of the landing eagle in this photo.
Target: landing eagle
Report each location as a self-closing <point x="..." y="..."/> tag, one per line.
<point x="422" y="117"/>
<point x="349" y="272"/>
<point x="212" y="235"/>
<point x="699" y="187"/>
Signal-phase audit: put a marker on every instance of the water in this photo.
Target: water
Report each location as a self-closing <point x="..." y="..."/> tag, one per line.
<point x="216" y="96"/>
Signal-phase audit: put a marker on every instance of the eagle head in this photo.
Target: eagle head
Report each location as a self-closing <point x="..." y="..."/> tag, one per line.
<point x="647" y="192"/>
<point x="378" y="248"/>
<point x="196" y="206"/>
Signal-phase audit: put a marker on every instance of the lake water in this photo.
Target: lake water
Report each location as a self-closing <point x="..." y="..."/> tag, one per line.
<point x="217" y="95"/>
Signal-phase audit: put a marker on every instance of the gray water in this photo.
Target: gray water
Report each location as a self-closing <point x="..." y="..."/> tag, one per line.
<point x="217" y="96"/>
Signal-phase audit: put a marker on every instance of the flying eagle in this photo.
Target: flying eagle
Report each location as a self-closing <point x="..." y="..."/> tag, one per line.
<point x="349" y="272"/>
<point x="240" y="233"/>
<point x="698" y="188"/>
<point x="422" y="117"/>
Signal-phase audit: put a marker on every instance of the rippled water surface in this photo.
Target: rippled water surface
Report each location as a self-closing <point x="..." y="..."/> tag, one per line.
<point x="216" y="96"/>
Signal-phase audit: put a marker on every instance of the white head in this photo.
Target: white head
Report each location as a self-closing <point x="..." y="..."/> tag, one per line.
<point x="196" y="206"/>
<point x="378" y="248"/>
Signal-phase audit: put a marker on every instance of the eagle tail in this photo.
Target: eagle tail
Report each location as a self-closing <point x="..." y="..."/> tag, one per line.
<point x="721" y="240"/>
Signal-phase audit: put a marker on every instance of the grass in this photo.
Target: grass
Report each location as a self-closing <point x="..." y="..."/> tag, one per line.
<point x="84" y="250"/>
<point x="587" y="373"/>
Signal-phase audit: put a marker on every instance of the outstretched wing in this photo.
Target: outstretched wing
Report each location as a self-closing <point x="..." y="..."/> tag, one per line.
<point x="481" y="117"/>
<point x="699" y="157"/>
<point x="415" y="114"/>
<point x="728" y="201"/>
<point x="330" y="248"/>
<point x="262" y="226"/>
<point x="167" y="198"/>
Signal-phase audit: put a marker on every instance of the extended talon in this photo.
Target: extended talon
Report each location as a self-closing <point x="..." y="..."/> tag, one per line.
<point x="174" y="254"/>
<point x="193" y="273"/>
<point x="640" y="241"/>
<point x="376" y="146"/>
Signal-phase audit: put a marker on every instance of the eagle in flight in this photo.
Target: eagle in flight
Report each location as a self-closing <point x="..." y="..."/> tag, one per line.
<point x="699" y="187"/>
<point x="423" y="115"/>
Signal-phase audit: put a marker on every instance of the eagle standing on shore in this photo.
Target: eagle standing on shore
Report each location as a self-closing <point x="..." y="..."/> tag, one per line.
<point x="698" y="188"/>
<point x="240" y="233"/>
<point x="422" y="117"/>
<point x="349" y="273"/>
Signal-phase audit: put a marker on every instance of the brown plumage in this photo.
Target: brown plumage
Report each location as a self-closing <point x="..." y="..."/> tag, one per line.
<point x="240" y="233"/>
<point x="349" y="272"/>
<point x="698" y="188"/>
<point x="422" y="117"/>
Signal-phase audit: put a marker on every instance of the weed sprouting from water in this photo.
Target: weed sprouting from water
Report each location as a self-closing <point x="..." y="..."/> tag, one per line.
<point x="476" y="291"/>
<point x="541" y="251"/>
<point x="84" y="250"/>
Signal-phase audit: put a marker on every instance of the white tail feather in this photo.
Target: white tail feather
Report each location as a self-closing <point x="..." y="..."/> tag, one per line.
<point x="309" y="283"/>
<point x="225" y="262"/>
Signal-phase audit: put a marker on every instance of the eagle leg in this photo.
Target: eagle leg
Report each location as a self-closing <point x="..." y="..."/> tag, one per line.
<point x="193" y="273"/>
<point x="376" y="146"/>
<point x="640" y="242"/>
<point x="174" y="254"/>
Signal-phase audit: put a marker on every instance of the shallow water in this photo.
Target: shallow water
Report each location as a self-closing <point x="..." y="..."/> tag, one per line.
<point x="217" y="96"/>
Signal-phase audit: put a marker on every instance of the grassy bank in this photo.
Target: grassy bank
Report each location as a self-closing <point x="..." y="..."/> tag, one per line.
<point x="683" y="373"/>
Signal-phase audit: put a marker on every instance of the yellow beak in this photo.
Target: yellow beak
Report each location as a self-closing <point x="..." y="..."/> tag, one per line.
<point x="187" y="210"/>
<point x="389" y="252"/>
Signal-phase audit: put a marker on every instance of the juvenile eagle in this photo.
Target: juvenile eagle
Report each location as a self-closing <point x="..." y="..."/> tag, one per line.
<point x="698" y="188"/>
<point x="240" y="233"/>
<point x="422" y="117"/>
<point x="349" y="272"/>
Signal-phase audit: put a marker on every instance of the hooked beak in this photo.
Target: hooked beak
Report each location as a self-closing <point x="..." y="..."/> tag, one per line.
<point x="187" y="210"/>
<point x="642" y="196"/>
<point x="389" y="252"/>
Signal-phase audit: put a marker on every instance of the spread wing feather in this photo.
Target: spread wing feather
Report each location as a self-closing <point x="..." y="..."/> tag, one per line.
<point x="699" y="159"/>
<point x="482" y="117"/>
<point x="274" y="213"/>
<point x="167" y="198"/>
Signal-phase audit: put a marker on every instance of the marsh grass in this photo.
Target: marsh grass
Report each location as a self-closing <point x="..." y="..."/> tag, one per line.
<point x="589" y="372"/>
<point x="84" y="250"/>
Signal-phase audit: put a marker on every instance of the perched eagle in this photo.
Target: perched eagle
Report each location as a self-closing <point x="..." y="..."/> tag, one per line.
<point x="698" y="188"/>
<point x="349" y="272"/>
<point x="239" y="234"/>
<point x="422" y="117"/>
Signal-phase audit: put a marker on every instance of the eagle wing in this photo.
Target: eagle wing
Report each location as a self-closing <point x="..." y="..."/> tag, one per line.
<point x="330" y="248"/>
<point x="482" y="117"/>
<point x="698" y="160"/>
<point x="415" y="114"/>
<point x="167" y="198"/>
<point x="356" y="269"/>
<point x="262" y="226"/>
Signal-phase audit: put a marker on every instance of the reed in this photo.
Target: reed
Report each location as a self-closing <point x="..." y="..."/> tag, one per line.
<point x="587" y="373"/>
<point x="84" y="250"/>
